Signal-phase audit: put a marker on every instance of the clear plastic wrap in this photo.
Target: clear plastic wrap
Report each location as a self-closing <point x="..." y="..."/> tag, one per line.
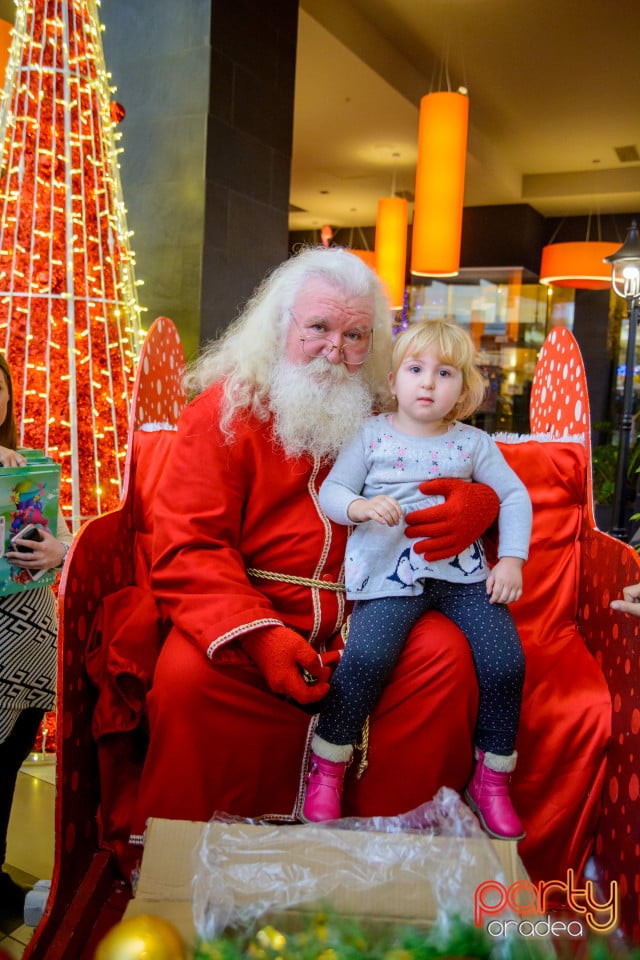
<point x="427" y="861"/>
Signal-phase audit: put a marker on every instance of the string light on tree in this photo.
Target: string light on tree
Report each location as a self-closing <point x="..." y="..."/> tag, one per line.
<point x="69" y="314"/>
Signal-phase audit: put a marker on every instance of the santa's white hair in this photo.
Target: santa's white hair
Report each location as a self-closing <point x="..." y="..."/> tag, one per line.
<point x="247" y="353"/>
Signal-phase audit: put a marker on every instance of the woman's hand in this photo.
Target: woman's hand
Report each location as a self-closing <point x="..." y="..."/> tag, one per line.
<point x="46" y="553"/>
<point x="11" y="458"/>
<point x="631" y="602"/>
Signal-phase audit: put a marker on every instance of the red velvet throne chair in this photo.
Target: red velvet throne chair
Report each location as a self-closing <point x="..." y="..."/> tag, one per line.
<point x="577" y="783"/>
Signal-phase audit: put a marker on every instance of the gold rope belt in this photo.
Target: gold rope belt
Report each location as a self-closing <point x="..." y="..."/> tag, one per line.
<point x="291" y="578"/>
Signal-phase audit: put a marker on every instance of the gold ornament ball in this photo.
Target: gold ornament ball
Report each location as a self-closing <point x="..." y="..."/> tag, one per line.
<point x="142" y="938"/>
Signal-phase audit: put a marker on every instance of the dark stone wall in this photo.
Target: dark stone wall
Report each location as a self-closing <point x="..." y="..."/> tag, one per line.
<point x="590" y="328"/>
<point x="250" y="129"/>
<point x="208" y="87"/>
<point x="509" y="235"/>
<point x="158" y="55"/>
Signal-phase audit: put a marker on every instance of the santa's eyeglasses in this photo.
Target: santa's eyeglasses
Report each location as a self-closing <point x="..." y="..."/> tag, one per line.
<point x="356" y="349"/>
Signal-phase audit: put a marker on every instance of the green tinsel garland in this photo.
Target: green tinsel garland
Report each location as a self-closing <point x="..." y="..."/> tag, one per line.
<point x="325" y="938"/>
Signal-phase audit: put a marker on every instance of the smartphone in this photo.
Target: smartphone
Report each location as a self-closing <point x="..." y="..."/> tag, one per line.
<point x="30" y="532"/>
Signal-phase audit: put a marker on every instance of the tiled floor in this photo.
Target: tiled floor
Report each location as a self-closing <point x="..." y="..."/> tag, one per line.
<point x="31" y="842"/>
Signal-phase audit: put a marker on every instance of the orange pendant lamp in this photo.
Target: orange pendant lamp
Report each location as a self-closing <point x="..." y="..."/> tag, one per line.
<point x="6" y="30"/>
<point x="391" y="247"/>
<point x="439" y="194"/>
<point x="367" y="256"/>
<point x="578" y="265"/>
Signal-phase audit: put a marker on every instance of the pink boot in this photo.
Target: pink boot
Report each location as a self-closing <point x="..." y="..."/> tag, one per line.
<point x="488" y="796"/>
<point x="324" y="789"/>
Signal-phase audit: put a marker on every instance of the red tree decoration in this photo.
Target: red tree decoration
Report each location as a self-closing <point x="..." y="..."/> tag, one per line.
<point x="46" y="739"/>
<point x="69" y="317"/>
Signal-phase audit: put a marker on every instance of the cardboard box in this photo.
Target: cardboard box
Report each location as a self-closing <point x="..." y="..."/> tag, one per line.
<point x="27" y="495"/>
<point x="168" y="865"/>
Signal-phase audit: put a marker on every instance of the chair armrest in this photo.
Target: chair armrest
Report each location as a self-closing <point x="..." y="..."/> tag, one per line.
<point x="100" y="561"/>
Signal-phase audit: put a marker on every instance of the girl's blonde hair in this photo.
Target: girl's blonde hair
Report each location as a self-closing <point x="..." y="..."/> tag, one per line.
<point x="454" y="347"/>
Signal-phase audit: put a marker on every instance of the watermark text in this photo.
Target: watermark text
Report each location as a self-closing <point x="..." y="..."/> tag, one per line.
<point x="523" y="898"/>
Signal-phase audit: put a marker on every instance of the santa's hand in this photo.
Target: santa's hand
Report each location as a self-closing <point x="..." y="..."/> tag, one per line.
<point x="467" y="512"/>
<point x="291" y="667"/>
<point x="331" y="658"/>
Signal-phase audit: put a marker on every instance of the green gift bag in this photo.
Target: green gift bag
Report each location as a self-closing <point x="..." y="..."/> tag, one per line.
<point x="28" y="495"/>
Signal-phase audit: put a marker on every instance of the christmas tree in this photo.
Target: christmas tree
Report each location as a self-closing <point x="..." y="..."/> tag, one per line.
<point x="69" y="316"/>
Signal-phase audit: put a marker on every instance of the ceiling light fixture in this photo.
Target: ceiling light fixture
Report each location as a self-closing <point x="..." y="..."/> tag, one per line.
<point x="578" y="264"/>
<point x="440" y="174"/>
<point x="367" y="256"/>
<point x="364" y="253"/>
<point x="391" y="247"/>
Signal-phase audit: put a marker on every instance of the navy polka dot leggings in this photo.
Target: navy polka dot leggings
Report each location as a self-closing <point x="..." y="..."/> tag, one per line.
<point x="377" y="634"/>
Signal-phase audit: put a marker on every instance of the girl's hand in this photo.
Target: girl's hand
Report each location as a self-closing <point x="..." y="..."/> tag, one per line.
<point x="504" y="583"/>
<point x="46" y="554"/>
<point x="382" y="509"/>
<point x="11" y="458"/>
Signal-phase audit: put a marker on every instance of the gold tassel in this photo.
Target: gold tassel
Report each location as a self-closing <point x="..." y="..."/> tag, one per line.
<point x="363" y="748"/>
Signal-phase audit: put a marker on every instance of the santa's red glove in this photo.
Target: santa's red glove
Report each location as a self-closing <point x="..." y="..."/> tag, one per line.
<point x="468" y="510"/>
<point x="291" y="667"/>
<point x="331" y="658"/>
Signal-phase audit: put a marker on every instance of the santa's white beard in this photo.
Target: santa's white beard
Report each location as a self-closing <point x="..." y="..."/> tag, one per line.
<point x="317" y="406"/>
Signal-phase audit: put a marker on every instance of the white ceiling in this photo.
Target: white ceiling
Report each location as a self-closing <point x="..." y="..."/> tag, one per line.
<point x="554" y="89"/>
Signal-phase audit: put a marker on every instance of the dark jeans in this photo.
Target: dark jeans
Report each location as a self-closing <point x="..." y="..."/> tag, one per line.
<point x="377" y="634"/>
<point x="13" y="752"/>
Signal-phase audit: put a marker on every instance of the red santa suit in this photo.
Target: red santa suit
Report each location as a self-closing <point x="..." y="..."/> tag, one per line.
<point x="233" y="522"/>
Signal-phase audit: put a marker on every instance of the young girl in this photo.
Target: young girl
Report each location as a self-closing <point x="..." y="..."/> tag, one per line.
<point x="374" y="482"/>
